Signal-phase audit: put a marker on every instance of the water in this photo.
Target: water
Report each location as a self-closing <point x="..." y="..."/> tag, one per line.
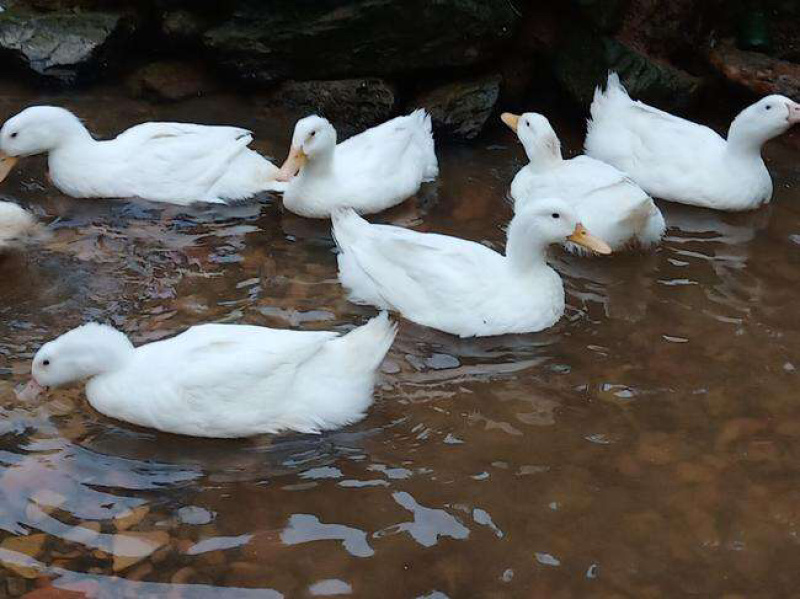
<point x="646" y="446"/>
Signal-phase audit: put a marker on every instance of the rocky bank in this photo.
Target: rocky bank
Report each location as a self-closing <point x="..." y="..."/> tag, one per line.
<point x="361" y="61"/>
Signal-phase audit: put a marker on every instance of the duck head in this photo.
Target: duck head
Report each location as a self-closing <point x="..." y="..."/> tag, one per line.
<point x="84" y="352"/>
<point x="543" y="223"/>
<point x="537" y="136"/>
<point x="760" y="122"/>
<point x="36" y="130"/>
<point x="314" y="139"/>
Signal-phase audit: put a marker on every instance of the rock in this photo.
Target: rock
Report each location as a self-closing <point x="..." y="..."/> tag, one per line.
<point x="462" y="108"/>
<point x="351" y="105"/>
<point x="605" y="15"/>
<point x="355" y="38"/>
<point x="131" y="518"/>
<point x="170" y="81"/>
<point x="29" y="547"/>
<point x="759" y="73"/>
<point x="195" y="515"/>
<point x="132" y="547"/>
<point x="671" y="30"/>
<point x="584" y="60"/>
<point x="180" y="26"/>
<point x="63" y="47"/>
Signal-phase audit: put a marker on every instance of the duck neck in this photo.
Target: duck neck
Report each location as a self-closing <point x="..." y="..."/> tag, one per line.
<point x="742" y="143"/>
<point x="524" y="253"/>
<point x="71" y="132"/>
<point x="108" y="358"/>
<point x="320" y="165"/>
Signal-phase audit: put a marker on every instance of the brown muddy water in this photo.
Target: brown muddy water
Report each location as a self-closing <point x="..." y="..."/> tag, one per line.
<point x="646" y="446"/>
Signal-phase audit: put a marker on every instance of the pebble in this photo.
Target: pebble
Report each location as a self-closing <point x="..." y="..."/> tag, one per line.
<point x="132" y="547"/>
<point x="131" y="518"/>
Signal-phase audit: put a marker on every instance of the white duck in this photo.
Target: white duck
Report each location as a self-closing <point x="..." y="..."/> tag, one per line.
<point x="458" y="286"/>
<point x="681" y="161"/>
<point x="369" y="172"/>
<point x="219" y="380"/>
<point x="606" y="201"/>
<point x="17" y="226"/>
<point x="175" y="163"/>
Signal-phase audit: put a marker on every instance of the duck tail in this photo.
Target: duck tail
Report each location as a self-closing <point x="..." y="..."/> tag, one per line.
<point x="648" y="222"/>
<point x="364" y="348"/>
<point x="423" y="138"/>
<point x="605" y="99"/>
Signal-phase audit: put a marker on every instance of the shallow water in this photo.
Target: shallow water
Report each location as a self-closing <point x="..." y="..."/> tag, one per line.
<point x="646" y="446"/>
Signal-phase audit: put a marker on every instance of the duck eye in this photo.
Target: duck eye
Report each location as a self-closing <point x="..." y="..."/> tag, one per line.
<point x="45" y="362"/>
<point x="768" y="106"/>
<point x="555" y="215"/>
<point x="13" y="135"/>
<point x="313" y="133"/>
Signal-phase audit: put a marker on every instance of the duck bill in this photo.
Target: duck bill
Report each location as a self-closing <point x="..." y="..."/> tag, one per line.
<point x="512" y="120"/>
<point x="582" y="237"/>
<point x="6" y="164"/>
<point x="296" y="160"/>
<point x="794" y="113"/>
<point x="31" y="391"/>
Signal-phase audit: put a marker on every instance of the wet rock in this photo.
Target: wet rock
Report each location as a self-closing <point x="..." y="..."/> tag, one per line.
<point x="759" y="73"/>
<point x="671" y="30"/>
<point x="180" y="26"/>
<point x="131" y="518"/>
<point x="584" y="61"/>
<point x="461" y="108"/>
<point x="351" y="105"/>
<point x="28" y="546"/>
<point x="196" y="515"/>
<point x="170" y="81"/>
<point x="351" y="38"/>
<point x="131" y="548"/>
<point x="64" y="47"/>
<point x="606" y="15"/>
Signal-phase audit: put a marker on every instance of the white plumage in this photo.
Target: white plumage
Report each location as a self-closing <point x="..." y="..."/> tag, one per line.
<point x="678" y="160"/>
<point x="225" y="381"/>
<point x="369" y="172"/>
<point x="175" y="163"/>
<point x="605" y="200"/>
<point x="17" y="226"/>
<point x="459" y="286"/>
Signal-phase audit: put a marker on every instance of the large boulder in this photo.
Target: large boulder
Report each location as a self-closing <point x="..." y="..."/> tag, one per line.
<point x="585" y="59"/>
<point x="460" y="109"/>
<point x="63" y="47"/>
<point x="759" y="73"/>
<point x="352" y="105"/>
<point x="352" y="38"/>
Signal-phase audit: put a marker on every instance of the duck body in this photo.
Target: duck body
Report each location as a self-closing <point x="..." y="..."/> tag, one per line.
<point x="681" y="161"/>
<point x="176" y="163"/>
<point x="17" y="226"/>
<point x="370" y="172"/>
<point x="225" y="380"/>
<point x="605" y="199"/>
<point x="450" y="284"/>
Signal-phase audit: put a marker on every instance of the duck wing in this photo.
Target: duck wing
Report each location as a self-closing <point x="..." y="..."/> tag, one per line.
<point x="379" y="149"/>
<point x="424" y="276"/>
<point x="173" y="161"/>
